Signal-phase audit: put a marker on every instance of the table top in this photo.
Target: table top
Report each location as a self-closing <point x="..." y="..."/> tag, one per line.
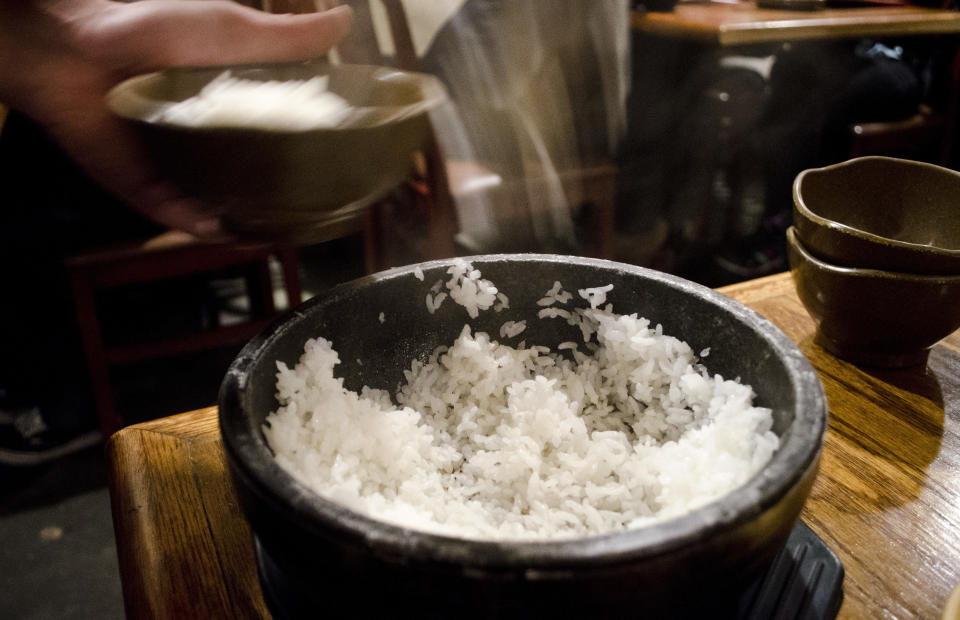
<point x="738" y="23"/>
<point x="886" y="498"/>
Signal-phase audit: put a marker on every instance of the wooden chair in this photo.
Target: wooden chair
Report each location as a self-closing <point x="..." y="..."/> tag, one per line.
<point x="921" y="136"/>
<point x="927" y="135"/>
<point x="169" y="256"/>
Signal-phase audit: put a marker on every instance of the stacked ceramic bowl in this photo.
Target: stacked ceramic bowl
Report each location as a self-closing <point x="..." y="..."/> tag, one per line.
<point x="875" y="255"/>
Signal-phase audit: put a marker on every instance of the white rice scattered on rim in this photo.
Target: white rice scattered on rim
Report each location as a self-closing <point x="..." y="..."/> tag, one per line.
<point x="512" y="329"/>
<point x="553" y="313"/>
<point x="434" y="301"/>
<point x="488" y="441"/>
<point x="555" y="295"/>
<point x="596" y="296"/>
<point x="469" y="289"/>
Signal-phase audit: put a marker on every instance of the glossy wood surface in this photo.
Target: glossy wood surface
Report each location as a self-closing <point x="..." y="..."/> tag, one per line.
<point x="887" y="499"/>
<point x="744" y="23"/>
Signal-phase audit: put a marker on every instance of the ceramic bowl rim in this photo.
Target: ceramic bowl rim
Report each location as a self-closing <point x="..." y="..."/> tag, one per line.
<point x="127" y="102"/>
<point x="793" y="238"/>
<point x="790" y="463"/>
<point x="845" y="229"/>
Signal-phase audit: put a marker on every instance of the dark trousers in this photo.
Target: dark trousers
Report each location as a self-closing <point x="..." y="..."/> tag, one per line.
<point x="49" y="210"/>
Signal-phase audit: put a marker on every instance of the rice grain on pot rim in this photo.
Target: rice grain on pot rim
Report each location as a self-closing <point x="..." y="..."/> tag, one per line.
<point x="485" y="440"/>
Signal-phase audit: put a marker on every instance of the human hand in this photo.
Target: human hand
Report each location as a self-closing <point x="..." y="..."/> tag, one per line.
<point x="58" y="59"/>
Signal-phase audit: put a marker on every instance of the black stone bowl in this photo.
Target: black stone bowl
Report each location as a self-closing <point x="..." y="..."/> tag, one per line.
<point x="350" y="565"/>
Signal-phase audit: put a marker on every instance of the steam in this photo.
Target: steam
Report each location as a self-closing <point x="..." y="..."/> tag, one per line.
<point x="539" y="91"/>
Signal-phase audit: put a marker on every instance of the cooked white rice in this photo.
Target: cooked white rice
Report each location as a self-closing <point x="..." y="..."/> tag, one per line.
<point x="512" y="329"/>
<point x="228" y="101"/>
<point x="556" y="295"/>
<point x="489" y="441"/>
<point x="466" y="288"/>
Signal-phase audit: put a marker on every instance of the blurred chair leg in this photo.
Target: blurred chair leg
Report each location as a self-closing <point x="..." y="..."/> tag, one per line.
<point x="953" y="108"/>
<point x="440" y="217"/>
<point x="259" y="289"/>
<point x="600" y="188"/>
<point x="93" y="350"/>
<point x="290" y="265"/>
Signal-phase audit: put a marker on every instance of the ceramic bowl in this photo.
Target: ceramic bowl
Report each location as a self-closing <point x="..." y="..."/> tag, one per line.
<point x="872" y="317"/>
<point x="881" y="213"/>
<point x="289" y="184"/>
<point x="349" y="563"/>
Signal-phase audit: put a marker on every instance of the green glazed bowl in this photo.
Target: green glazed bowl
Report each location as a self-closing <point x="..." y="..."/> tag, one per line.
<point x="872" y="317"/>
<point x="881" y="213"/>
<point x="293" y="184"/>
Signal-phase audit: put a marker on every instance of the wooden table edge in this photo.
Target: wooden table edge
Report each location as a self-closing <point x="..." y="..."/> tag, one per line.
<point x="781" y="25"/>
<point x="198" y="425"/>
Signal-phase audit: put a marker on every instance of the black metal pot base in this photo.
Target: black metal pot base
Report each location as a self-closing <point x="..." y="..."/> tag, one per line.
<point x="804" y="582"/>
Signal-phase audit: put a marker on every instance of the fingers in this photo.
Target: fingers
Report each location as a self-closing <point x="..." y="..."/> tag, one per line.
<point x="150" y="34"/>
<point x="267" y="37"/>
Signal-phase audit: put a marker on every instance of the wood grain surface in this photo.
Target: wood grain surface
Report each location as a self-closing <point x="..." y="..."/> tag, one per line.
<point x="742" y="23"/>
<point x="184" y="547"/>
<point x="887" y="499"/>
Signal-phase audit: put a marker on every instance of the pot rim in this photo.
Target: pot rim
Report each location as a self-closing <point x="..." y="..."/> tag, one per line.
<point x="799" y="451"/>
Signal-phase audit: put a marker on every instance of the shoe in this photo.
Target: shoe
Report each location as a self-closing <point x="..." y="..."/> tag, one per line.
<point x="27" y="441"/>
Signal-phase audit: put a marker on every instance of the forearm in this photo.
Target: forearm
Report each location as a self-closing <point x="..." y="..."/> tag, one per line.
<point x="38" y="45"/>
<point x="59" y="58"/>
<point x="71" y="39"/>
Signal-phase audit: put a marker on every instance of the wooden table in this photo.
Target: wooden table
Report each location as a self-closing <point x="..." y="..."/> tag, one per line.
<point x="742" y="23"/>
<point x="887" y="499"/>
